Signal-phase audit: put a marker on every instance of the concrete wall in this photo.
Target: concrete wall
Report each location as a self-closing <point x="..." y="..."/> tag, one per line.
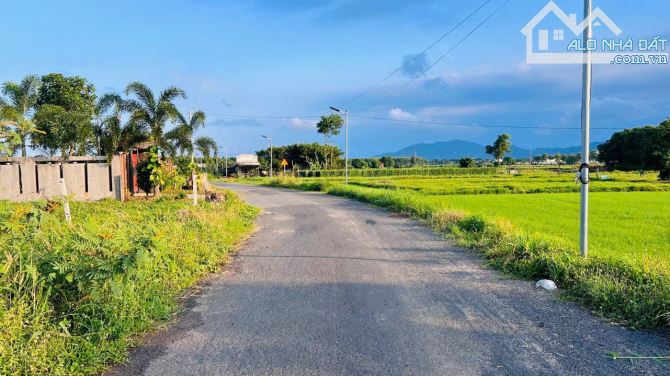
<point x="86" y="178"/>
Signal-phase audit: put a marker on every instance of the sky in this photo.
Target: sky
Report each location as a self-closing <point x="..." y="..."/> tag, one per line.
<point x="292" y="59"/>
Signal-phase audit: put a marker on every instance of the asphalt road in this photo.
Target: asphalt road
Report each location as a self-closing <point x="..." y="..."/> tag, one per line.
<point x="329" y="286"/>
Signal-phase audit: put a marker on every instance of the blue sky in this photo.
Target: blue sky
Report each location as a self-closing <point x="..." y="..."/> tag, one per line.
<point x="298" y="57"/>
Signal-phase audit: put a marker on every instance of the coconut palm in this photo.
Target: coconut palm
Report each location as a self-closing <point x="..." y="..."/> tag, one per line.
<point x="104" y="120"/>
<point x="17" y="108"/>
<point x="205" y="146"/>
<point x="150" y="112"/>
<point x="182" y="134"/>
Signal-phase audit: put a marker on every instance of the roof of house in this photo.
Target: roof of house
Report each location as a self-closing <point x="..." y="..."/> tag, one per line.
<point x="247" y="160"/>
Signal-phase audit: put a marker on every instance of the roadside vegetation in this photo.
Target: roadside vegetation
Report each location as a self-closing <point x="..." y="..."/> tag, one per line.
<point x="627" y="276"/>
<point x="74" y="297"/>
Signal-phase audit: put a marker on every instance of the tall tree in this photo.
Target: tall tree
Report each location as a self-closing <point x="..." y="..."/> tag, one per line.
<point x="65" y="110"/>
<point x="150" y="112"/>
<point x="500" y="147"/>
<point x="205" y="145"/>
<point x="9" y="138"/>
<point x="22" y="97"/>
<point x="106" y="124"/>
<point x="643" y="148"/>
<point x="663" y="150"/>
<point x="329" y="126"/>
<point x="182" y="135"/>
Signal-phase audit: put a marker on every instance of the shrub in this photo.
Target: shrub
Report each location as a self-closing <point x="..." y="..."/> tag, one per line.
<point x="467" y="163"/>
<point x="144" y="177"/>
<point x="72" y="297"/>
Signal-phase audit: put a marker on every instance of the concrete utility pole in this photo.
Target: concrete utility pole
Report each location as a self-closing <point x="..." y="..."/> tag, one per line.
<point x="586" y="124"/>
<point x="225" y="160"/>
<point x="66" y="201"/>
<point x="270" y="139"/>
<point x="193" y="176"/>
<point x="346" y="143"/>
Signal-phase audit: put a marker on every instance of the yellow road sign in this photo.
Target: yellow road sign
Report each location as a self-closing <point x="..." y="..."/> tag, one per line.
<point x="284" y="162"/>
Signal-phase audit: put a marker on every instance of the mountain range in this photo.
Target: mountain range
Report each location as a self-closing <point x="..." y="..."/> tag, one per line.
<point x="457" y="149"/>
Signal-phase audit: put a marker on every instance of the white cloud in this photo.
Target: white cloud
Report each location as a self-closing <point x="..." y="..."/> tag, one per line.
<point x="398" y="114"/>
<point x="302" y="123"/>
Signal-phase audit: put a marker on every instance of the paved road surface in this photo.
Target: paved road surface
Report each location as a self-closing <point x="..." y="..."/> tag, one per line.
<point x="329" y="286"/>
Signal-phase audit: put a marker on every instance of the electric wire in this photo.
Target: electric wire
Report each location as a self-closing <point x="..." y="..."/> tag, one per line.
<point x="378" y="84"/>
<point x="447" y="53"/>
<point x="425" y="122"/>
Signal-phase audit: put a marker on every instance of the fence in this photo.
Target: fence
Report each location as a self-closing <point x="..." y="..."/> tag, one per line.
<point x="86" y="178"/>
<point x="423" y="171"/>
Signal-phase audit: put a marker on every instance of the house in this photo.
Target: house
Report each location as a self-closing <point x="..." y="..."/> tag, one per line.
<point x="543" y="42"/>
<point x="247" y="164"/>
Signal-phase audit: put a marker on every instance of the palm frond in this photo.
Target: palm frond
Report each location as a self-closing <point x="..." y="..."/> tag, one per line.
<point x="197" y="120"/>
<point x="143" y="94"/>
<point x="22" y="95"/>
<point x="171" y="93"/>
<point x="205" y="145"/>
<point x="108" y="100"/>
<point x="30" y="86"/>
<point x="13" y="92"/>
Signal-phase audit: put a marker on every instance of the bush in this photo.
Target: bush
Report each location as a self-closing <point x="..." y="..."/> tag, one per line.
<point x="664" y="174"/>
<point x="144" y="177"/>
<point x="467" y="163"/>
<point x="73" y="297"/>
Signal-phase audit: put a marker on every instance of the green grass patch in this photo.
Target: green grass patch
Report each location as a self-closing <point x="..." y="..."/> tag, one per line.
<point x="626" y="278"/>
<point x="74" y="297"/>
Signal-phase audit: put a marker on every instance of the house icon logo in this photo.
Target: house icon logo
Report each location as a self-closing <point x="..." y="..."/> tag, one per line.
<point x="559" y="39"/>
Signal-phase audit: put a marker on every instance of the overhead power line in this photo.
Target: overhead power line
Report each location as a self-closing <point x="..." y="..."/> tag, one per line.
<point x="425" y="122"/>
<point x="438" y="40"/>
<point x="459" y="124"/>
<point x="448" y="52"/>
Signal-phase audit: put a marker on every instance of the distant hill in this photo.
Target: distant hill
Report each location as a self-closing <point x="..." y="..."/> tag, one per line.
<point x="457" y="149"/>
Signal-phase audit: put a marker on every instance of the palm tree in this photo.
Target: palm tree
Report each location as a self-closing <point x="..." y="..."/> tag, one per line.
<point x="182" y="134"/>
<point x="205" y="146"/>
<point x="152" y="113"/>
<point x="112" y="135"/>
<point x="22" y="97"/>
<point x="102" y="105"/>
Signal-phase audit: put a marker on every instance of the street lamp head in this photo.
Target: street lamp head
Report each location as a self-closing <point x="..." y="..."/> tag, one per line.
<point x="264" y="136"/>
<point x="335" y="109"/>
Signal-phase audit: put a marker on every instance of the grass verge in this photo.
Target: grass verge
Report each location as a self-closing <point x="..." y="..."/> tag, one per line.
<point x="73" y="297"/>
<point x="635" y="294"/>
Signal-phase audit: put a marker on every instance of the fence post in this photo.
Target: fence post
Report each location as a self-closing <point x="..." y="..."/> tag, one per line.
<point x="194" y="178"/>
<point x="66" y="203"/>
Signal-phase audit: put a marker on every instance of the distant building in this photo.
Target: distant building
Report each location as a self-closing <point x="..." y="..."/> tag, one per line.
<point x="550" y="162"/>
<point x="247" y="164"/>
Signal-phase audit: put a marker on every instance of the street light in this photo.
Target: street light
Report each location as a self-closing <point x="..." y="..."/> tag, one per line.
<point x="270" y="139"/>
<point x="346" y="143"/>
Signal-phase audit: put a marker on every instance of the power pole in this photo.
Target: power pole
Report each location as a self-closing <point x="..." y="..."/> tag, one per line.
<point x="346" y="147"/>
<point x="346" y="142"/>
<point x="586" y="124"/>
<point x="269" y="138"/>
<point x="225" y="156"/>
<point x="193" y="176"/>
